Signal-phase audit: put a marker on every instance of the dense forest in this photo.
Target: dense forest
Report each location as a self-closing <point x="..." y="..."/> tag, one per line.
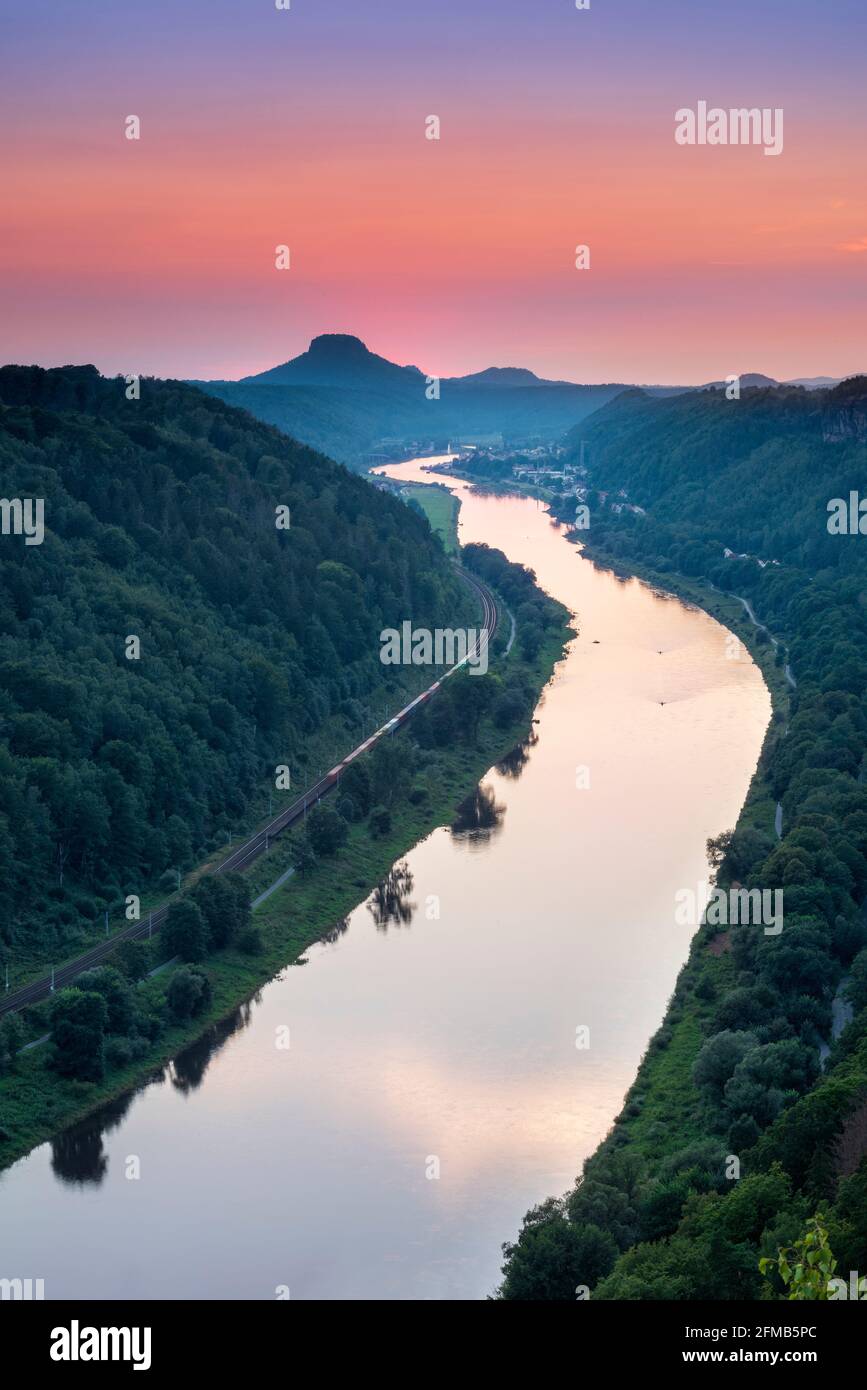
<point x="123" y="761"/>
<point x="743" y="1126"/>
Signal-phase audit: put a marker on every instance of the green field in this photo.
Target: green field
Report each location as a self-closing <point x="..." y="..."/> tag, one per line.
<point x="441" y="508"/>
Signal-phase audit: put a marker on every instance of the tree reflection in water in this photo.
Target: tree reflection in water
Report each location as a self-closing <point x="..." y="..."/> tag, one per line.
<point x="514" y="763"/>
<point x="187" y="1071"/>
<point x="77" y="1155"/>
<point x="389" y="903"/>
<point x="478" y="818"/>
<point x="334" y="933"/>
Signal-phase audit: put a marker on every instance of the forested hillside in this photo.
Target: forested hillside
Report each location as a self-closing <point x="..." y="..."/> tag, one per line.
<point x="754" y="475"/>
<point x="161" y="525"/>
<point x="740" y="1069"/>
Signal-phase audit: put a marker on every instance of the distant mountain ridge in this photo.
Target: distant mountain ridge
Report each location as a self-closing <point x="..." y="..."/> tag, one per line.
<point x="809" y="383"/>
<point x="341" y="359"/>
<point x="340" y="397"/>
<point x="350" y="403"/>
<point x="745" y="379"/>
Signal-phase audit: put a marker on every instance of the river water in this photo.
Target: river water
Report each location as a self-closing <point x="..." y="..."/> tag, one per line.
<point x="433" y="1090"/>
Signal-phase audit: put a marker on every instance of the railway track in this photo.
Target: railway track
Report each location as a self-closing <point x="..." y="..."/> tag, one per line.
<point x="242" y="857"/>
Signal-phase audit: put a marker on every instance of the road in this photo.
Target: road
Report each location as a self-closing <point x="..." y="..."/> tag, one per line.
<point x="787" y="670"/>
<point x="242" y="857"/>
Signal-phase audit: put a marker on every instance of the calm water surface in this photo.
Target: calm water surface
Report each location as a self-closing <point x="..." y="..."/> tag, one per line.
<point x="450" y="1039"/>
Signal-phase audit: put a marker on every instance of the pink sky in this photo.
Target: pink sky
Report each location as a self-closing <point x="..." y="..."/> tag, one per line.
<point x="307" y="128"/>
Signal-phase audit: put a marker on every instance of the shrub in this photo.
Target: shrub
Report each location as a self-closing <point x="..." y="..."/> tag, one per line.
<point x="380" y="821"/>
<point x="250" y="941"/>
<point x="717" y="1060"/>
<point x="189" y="992"/>
<point x="305" y="859"/>
<point x="118" y="1052"/>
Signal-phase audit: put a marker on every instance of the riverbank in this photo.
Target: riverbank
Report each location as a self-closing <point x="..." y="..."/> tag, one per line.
<point x="36" y="1103"/>
<point x="656" y="1115"/>
<point x="760" y="805"/>
<point x="657" y="1112"/>
<point x="657" y="1118"/>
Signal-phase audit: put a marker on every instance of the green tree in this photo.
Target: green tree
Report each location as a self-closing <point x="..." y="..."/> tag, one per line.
<point x="390" y="771"/>
<point x="78" y="1024"/>
<point x="807" y="1267"/>
<point x="718" y="1058"/>
<point x="133" y="958"/>
<point x="116" y="992"/>
<point x="189" y="992"/>
<point x="355" y="783"/>
<point x="185" y="933"/>
<point x="11" y="1042"/>
<point x="856" y="987"/>
<point x="472" y="697"/>
<point x="224" y="903"/>
<point x="509" y="707"/>
<point x="327" y="831"/>
<point x="552" y="1260"/>
<point x="380" y="821"/>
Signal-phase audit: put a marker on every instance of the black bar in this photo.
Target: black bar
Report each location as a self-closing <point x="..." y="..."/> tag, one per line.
<point x="597" y="1338"/>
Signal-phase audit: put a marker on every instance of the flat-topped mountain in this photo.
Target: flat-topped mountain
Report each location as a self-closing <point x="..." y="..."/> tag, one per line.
<point x="344" y="399"/>
<point x="339" y="359"/>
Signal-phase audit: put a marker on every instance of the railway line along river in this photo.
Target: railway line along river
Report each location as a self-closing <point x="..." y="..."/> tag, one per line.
<point x="434" y="1090"/>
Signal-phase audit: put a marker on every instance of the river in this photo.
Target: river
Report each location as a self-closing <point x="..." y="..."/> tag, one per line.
<point x="433" y="1090"/>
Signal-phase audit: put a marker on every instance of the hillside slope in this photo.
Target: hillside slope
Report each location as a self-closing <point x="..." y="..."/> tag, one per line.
<point x="161" y="525"/>
<point x="741" y="1125"/>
